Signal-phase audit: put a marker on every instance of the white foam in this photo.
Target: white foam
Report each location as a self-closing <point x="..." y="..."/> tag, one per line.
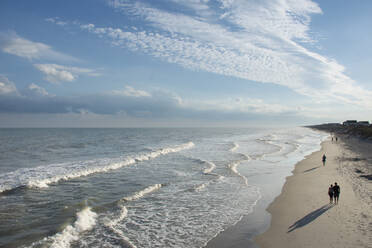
<point x="233" y="166"/>
<point x="43" y="176"/>
<point x="122" y="216"/>
<point x="114" y="222"/>
<point x="43" y="183"/>
<point x="211" y="167"/>
<point x="200" y="186"/>
<point x="86" y="220"/>
<point x="142" y="193"/>
<point x="167" y="222"/>
<point x="235" y="146"/>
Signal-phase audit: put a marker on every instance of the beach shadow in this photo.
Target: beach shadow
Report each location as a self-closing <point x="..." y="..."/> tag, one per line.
<point x="310" y="217"/>
<point x="368" y="177"/>
<point x="311" y="169"/>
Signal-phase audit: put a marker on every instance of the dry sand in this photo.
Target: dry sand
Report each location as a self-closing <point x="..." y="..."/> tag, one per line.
<point x="302" y="215"/>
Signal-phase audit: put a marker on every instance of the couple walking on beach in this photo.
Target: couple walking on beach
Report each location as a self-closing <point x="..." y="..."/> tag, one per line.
<point x="334" y="193"/>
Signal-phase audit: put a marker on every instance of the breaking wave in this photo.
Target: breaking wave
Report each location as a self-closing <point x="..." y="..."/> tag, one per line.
<point x="43" y="176"/>
<point x="142" y="193"/>
<point x="112" y="223"/>
<point x="235" y="146"/>
<point x="211" y="167"/>
<point x="85" y="221"/>
<point x="233" y="166"/>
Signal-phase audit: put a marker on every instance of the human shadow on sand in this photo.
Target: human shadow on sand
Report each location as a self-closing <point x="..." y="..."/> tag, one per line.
<point x="310" y="217"/>
<point x="311" y="169"/>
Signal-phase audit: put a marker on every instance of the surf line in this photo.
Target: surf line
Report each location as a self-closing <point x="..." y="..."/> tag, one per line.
<point x="85" y="220"/>
<point x="234" y="165"/>
<point x="235" y="146"/>
<point x="81" y="171"/>
<point x="124" y="211"/>
<point x="208" y="170"/>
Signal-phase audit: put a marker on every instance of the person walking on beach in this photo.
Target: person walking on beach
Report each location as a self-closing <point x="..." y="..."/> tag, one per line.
<point x="336" y="192"/>
<point x="324" y="159"/>
<point x="330" y="193"/>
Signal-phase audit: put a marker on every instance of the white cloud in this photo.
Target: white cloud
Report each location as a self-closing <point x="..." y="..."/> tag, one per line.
<point x="240" y="105"/>
<point x="56" y="20"/>
<point x="237" y="105"/>
<point x="38" y="90"/>
<point x="131" y="92"/>
<point x="262" y="41"/>
<point x="58" y="73"/>
<point x="7" y="87"/>
<point x="13" y="44"/>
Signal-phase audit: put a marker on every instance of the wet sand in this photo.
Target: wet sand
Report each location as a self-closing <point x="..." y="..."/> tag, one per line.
<point x="302" y="215"/>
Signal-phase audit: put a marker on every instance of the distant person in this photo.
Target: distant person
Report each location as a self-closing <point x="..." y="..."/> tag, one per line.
<point x="336" y="139"/>
<point x="336" y="192"/>
<point x="332" y="139"/>
<point x="330" y="193"/>
<point x="324" y="159"/>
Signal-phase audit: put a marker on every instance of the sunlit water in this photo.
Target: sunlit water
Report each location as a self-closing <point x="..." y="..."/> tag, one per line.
<point x="136" y="187"/>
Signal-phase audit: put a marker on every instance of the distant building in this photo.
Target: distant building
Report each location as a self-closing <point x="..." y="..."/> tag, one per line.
<point x="350" y="123"/>
<point x="355" y="123"/>
<point x="363" y="123"/>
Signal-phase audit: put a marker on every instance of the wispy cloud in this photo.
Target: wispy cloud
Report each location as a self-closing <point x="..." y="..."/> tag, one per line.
<point x="36" y="89"/>
<point x="139" y="104"/>
<point x="58" y="73"/>
<point x="238" y="105"/>
<point x="56" y="20"/>
<point x="131" y="92"/>
<point x="262" y="41"/>
<point x="16" y="45"/>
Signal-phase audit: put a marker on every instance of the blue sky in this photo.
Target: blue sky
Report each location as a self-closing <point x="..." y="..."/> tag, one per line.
<point x="122" y="63"/>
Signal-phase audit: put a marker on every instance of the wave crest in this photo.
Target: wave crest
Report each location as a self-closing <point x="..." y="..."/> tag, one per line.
<point x="142" y="193"/>
<point x="43" y="176"/>
<point x="85" y="221"/>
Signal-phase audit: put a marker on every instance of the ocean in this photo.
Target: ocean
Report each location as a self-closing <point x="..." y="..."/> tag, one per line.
<point x="145" y="187"/>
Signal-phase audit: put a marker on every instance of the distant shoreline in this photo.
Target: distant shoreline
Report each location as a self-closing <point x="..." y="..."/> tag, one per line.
<point x="304" y="218"/>
<point x="357" y="131"/>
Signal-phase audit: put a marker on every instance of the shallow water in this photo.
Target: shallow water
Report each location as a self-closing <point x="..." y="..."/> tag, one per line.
<point x="137" y="187"/>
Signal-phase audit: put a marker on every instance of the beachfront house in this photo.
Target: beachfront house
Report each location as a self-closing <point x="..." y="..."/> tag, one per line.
<point x="350" y="123"/>
<point x="363" y="123"/>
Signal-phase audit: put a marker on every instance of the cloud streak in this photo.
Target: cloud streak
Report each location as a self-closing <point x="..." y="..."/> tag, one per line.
<point x="58" y="73"/>
<point x="16" y="45"/>
<point x="131" y="92"/>
<point x="137" y="103"/>
<point x="262" y="41"/>
<point x="37" y="90"/>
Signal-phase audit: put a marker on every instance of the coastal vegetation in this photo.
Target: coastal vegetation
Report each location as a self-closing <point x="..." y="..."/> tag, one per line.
<point x="364" y="132"/>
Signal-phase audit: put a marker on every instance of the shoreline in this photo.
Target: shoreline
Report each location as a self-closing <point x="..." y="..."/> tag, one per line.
<point x="304" y="218"/>
<point x="243" y="233"/>
<point x="302" y="215"/>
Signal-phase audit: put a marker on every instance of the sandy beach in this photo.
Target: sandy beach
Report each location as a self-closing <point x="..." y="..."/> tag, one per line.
<point x="302" y="215"/>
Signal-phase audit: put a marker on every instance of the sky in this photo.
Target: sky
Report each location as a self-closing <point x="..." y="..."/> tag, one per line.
<point x="184" y="63"/>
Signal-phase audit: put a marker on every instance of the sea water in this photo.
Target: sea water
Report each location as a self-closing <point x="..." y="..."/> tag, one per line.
<point x="132" y="187"/>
